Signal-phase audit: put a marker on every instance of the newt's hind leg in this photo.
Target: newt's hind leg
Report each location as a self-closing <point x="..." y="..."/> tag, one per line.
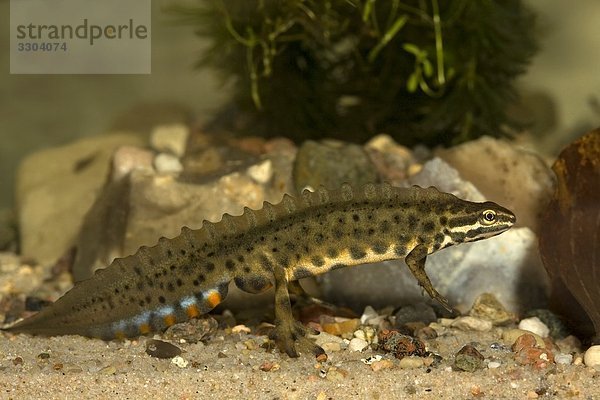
<point x="289" y="333"/>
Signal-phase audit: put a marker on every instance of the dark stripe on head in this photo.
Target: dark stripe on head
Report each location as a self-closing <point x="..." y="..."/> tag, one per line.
<point x="468" y="220"/>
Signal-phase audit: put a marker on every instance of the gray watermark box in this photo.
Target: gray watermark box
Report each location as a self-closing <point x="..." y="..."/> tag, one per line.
<point x="80" y="36"/>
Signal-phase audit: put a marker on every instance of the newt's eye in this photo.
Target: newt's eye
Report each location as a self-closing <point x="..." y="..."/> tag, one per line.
<point x="488" y="217"/>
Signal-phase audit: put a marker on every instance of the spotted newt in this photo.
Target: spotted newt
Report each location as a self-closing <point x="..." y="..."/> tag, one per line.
<point x="299" y="237"/>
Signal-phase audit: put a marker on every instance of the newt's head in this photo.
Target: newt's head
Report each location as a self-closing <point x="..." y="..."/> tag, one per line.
<point x="476" y="221"/>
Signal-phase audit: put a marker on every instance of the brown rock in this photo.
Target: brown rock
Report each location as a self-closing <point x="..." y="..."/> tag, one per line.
<point x="569" y="248"/>
<point x="523" y="341"/>
<point x="500" y="171"/>
<point x="400" y="345"/>
<point x="55" y="189"/>
<point x="486" y="306"/>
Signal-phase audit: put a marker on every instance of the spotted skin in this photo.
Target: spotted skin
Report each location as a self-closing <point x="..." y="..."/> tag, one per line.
<point x="187" y="276"/>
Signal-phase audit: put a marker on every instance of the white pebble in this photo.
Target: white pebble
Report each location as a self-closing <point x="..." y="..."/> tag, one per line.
<point x="472" y="324"/>
<point x="179" y="361"/>
<point x="324" y="337"/>
<point x="535" y="325"/>
<point x="563" y="358"/>
<point x="493" y="364"/>
<point x="372" y="359"/>
<point x="410" y="362"/>
<point x="357" y="344"/>
<point x="368" y="314"/>
<point x="170" y="138"/>
<point x="167" y="163"/>
<point x="591" y="358"/>
<point x="262" y="172"/>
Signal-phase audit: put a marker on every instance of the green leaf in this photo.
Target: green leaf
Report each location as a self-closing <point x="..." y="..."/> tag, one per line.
<point x="412" y="49"/>
<point x="427" y="68"/>
<point x="387" y="37"/>
<point x="413" y="82"/>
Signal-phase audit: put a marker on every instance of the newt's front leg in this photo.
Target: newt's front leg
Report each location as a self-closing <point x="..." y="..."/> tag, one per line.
<point x="288" y="332"/>
<point x="416" y="263"/>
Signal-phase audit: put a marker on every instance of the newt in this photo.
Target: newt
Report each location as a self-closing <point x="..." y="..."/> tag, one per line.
<point x="304" y="236"/>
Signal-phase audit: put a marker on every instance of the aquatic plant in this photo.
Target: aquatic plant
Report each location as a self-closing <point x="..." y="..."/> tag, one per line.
<point x="424" y="71"/>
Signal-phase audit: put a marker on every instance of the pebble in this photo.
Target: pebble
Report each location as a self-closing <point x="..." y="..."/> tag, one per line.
<point x="535" y="325"/>
<point x="160" y="349"/>
<point x="370" y="360"/>
<point x="486" y="306"/>
<point x="469" y="359"/>
<point x="472" y="324"/>
<point x="180" y="362"/>
<point x="72" y="368"/>
<point x="494" y="364"/>
<point x="340" y="327"/>
<point x="569" y="344"/>
<point x="539" y="358"/>
<point x="366" y="333"/>
<point x="240" y="329"/>
<point x="262" y="172"/>
<point x="410" y="362"/>
<point x="335" y="374"/>
<point x="383" y="364"/>
<point x="511" y="335"/>
<point x="109" y="370"/>
<point x="523" y="341"/>
<point x="426" y="333"/>
<point x="167" y="163"/>
<point x="193" y="331"/>
<point x="269" y="366"/>
<point x="370" y="317"/>
<point x="250" y="344"/>
<point x="170" y="138"/>
<point x="331" y="347"/>
<point x="400" y="345"/>
<point x="357" y="344"/>
<point x="419" y="312"/>
<point x="562" y="358"/>
<point x="129" y="158"/>
<point x="323" y="338"/>
<point x="557" y="327"/>
<point x="591" y="358"/>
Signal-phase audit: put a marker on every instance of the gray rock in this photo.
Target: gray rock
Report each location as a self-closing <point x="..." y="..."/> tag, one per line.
<point x="436" y="172"/>
<point x="417" y="312"/>
<point x="330" y="163"/>
<point x="500" y="170"/>
<point x="506" y="265"/>
<point x="56" y="187"/>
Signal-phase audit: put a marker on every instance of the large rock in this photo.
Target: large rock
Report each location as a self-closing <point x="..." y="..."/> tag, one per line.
<point x="571" y="247"/>
<point x="56" y="187"/>
<point x="330" y="163"/>
<point x="504" y="173"/>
